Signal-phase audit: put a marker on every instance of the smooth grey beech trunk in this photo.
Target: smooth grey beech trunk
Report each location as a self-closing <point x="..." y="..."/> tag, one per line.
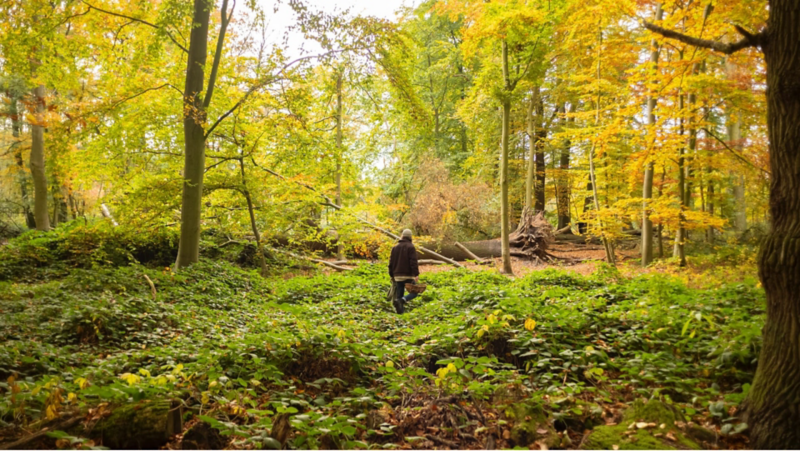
<point x="195" y="106"/>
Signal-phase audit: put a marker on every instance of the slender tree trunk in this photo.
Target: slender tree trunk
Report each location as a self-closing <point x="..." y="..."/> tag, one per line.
<point x="253" y="226"/>
<point x="610" y="257"/>
<point x="16" y="147"/>
<point x="541" y="135"/>
<point x="529" y="178"/>
<point x="339" y="254"/>
<point x="740" y="210"/>
<point x="774" y="400"/>
<point x="563" y="196"/>
<point x="710" y="195"/>
<point x="37" y="164"/>
<point x="647" y="188"/>
<point x="504" y="213"/>
<point x="680" y="239"/>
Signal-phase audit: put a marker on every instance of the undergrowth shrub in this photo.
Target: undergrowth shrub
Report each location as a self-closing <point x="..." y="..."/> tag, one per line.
<point x="82" y="245"/>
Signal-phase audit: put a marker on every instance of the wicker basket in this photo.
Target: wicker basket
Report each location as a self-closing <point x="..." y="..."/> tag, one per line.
<point x="417" y="288"/>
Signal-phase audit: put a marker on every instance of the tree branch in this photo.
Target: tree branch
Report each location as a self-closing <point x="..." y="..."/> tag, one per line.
<point x="734" y="152"/>
<point x="749" y="39"/>
<point x="212" y="78"/>
<point x="261" y="84"/>
<point x="141" y="21"/>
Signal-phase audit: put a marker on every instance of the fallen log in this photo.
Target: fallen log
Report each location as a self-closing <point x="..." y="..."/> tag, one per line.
<point x="430" y="262"/>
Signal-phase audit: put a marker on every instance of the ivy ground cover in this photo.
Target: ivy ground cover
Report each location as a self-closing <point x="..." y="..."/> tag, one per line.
<point x="549" y="360"/>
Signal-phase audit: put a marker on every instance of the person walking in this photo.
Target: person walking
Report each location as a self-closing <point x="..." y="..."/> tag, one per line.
<point x="403" y="269"/>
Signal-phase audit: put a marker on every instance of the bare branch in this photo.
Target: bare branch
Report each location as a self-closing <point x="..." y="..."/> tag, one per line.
<point x="141" y="21"/>
<point x="749" y="39"/>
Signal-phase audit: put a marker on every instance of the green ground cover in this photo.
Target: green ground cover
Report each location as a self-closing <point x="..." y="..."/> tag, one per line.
<point x="552" y="358"/>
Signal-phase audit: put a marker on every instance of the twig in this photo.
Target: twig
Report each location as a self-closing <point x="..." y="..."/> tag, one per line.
<point x="25" y="440"/>
<point x="442" y="441"/>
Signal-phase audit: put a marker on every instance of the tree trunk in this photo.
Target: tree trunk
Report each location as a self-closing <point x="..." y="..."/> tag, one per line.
<point x="647" y="188"/>
<point x="504" y="213"/>
<point x="740" y="208"/>
<point x="253" y="226"/>
<point x="16" y="127"/>
<point x="530" y="176"/>
<point x="562" y="196"/>
<point x="339" y="148"/>
<point x="194" y="118"/>
<point x="37" y="165"/>
<point x="680" y="238"/>
<point x="774" y="400"/>
<point x="541" y="135"/>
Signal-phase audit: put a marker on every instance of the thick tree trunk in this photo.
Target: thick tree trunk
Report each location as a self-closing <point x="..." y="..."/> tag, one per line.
<point x="194" y="118"/>
<point x="37" y="164"/>
<point x="647" y="188"/>
<point x="774" y="400"/>
<point x="504" y="213"/>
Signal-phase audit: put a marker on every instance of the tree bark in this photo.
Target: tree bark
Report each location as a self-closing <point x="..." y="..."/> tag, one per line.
<point x="740" y="207"/>
<point x="647" y="188"/>
<point x="541" y="135"/>
<point x="339" y="148"/>
<point x="504" y="213"/>
<point x="37" y="164"/>
<point x="774" y="401"/>
<point x="531" y="173"/>
<point x="16" y="147"/>
<point x="562" y="196"/>
<point x="194" y="119"/>
<point x="680" y="238"/>
<point x="253" y="225"/>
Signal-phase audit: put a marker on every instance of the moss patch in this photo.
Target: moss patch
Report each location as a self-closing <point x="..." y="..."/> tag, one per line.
<point x="605" y="437"/>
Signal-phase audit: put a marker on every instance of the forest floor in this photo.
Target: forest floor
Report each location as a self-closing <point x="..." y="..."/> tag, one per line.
<point x="218" y="357"/>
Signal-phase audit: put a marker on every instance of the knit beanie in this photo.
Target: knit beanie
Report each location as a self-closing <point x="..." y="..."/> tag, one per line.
<point x="406" y="233"/>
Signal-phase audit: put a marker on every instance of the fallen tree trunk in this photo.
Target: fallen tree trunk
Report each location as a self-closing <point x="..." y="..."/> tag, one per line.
<point x="530" y="240"/>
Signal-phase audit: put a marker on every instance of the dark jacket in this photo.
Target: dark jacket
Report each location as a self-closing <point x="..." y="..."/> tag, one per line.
<point x="403" y="261"/>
